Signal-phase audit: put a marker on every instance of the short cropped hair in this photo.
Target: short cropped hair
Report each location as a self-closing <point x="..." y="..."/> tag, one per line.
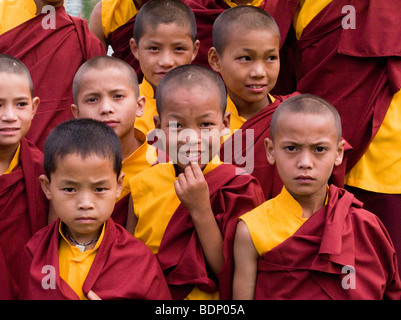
<point x="156" y="12"/>
<point x="9" y="64"/>
<point x="190" y="76"/>
<point x="83" y="137"/>
<point x="244" y="17"/>
<point x="305" y="104"/>
<point x="101" y="62"/>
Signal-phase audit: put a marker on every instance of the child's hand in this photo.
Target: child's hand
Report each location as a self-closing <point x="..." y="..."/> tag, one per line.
<point x="192" y="189"/>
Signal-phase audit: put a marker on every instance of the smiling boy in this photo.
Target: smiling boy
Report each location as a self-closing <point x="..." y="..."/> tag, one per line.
<point x="295" y="246"/>
<point x="90" y="254"/>
<point x="164" y="38"/>
<point x="23" y="207"/>
<point x="186" y="210"/>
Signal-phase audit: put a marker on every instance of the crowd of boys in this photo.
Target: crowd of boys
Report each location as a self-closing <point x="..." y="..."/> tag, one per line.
<point x="114" y="188"/>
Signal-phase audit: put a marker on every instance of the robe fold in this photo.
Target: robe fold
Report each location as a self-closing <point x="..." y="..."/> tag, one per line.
<point x="23" y="211"/>
<point x="180" y="254"/>
<point x="52" y="56"/>
<point x="362" y="64"/>
<point x="119" y="40"/>
<point x="341" y="252"/>
<point x="124" y="268"/>
<point x="236" y="148"/>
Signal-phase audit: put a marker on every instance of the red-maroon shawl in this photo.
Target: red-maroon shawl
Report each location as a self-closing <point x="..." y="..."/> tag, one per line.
<point x="357" y="70"/>
<point x="315" y="262"/>
<point x="180" y="254"/>
<point x="23" y="211"/>
<point x="265" y="173"/>
<point x="52" y="56"/>
<point x="124" y="268"/>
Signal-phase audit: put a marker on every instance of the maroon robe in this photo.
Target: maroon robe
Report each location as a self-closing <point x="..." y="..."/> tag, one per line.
<point x="23" y="211"/>
<point x="357" y="70"/>
<point x="52" y="56"/>
<point x="265" y="173"/>
<point x="180" y="254"/>
<point x="124" y="268"/>
<point x="312" y="263"/>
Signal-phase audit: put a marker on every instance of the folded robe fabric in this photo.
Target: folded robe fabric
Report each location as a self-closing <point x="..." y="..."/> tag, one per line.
<point x="124" y="268"/>
<point x="357" y="70"/>
<point x="341" y="252"/>
<point x="180" y="254"/>
<point x="52" y="56"/>
<point x="23" y="211"/>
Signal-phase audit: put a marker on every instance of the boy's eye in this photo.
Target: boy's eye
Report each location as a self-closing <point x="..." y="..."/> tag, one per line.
<point x="91" y="100"/>
<point x="100" y="189"/>
<point x="153" y="48"/>
<point x="69" y="190"/>
<point x="271" y="58"/>
<point x="22" y="104"/>
<point x="244" y="58"/>
<point x="118" y="96"/>
<point x="320" y="149"/>
<point x="290" y="148"/>
<point x="174" y="125"/>
<point x="206" y="124"/>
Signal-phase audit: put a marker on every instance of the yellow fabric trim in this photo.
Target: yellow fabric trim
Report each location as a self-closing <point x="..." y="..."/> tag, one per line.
<point x="307" y="10"/>
<point x="74" y="265"/>
<point x="14" y="161"/>
<point x="116" y="13"/>
<point x="379" y="168"/>
<point x="144" y="157"/>
<point x="255" y="3"/>
<point x="145" y="123"/>
<point x="13" y="13"/>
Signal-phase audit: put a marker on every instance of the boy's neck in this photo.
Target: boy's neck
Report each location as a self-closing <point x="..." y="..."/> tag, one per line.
<point x="6" y="156"/>
<point x="129" y="146"/>
<point x="311" y="203"/>
<point x="247" y="110"/>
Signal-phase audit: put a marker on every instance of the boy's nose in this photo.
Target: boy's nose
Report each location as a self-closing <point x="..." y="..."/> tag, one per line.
<point x="8" y="114"/>
<point x="85" y="201"/>
<point x="106" y="107"/>
<point x="166" y="59"/>
<point x="305" y="160"/>
<point x="258" y="70"/>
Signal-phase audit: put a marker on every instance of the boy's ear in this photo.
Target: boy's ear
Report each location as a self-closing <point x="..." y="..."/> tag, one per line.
<point x="157" y="121"/>
<point x="45" y="184"/>
<point x="134" y="47"/>
<point x="35" y="105"/>
<point x="227" y="119"/>
<point x="120" y="183"/>
<point x="196" y="50"/>
<point x="340" y="153"/>
<point x="214" y="59"/>
<point x="75" y="111"/>
<point x="270" y="151"/>
<point x="140" y="109"/>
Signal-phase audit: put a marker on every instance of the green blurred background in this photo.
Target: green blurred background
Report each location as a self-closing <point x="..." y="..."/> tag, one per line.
<point x="80" y="8"/>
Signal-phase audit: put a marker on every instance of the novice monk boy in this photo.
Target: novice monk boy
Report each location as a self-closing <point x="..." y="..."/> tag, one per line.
<point x="164" y="38"/>
<point x="186" y="210"/>
<point x="85" y="253"/>
<point x="312" y="241"/>
<point x="106" y="89"/>
<point x="23" y="206"/>
<point x="246" y="44"/>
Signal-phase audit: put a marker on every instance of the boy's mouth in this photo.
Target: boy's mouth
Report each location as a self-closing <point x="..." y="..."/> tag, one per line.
<point x="9" y="130"/>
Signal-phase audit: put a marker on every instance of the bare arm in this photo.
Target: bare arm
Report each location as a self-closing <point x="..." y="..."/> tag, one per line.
<point x="246" y="264"/>
<point x="192" y="189"/>
<point x="95" y="23"/>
